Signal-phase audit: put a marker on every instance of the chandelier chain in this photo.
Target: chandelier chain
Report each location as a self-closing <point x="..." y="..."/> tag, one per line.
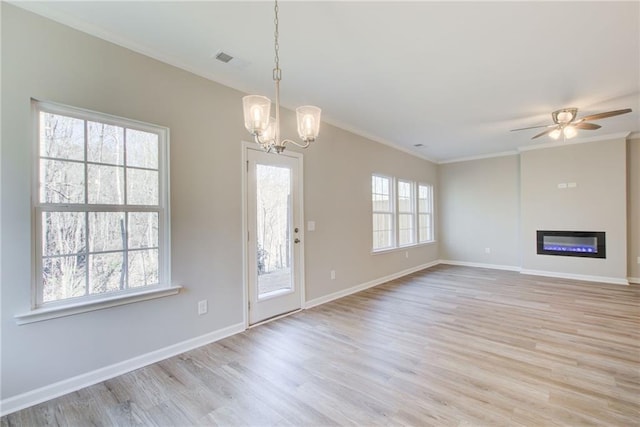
<point x="277" y="73"/>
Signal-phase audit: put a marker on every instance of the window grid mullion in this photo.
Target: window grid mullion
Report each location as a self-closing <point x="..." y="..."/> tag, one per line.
<point x="86" y="251"/>
<point x="86" y="214"/>
<point x="125" y="244"/>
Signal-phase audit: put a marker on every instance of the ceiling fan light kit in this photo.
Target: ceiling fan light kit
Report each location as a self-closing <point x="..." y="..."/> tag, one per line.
<point x="566" y="123"/>
<point x="266" y="129"/>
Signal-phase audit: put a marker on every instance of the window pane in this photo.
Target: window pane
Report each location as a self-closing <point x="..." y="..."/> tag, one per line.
<point x="425" y="228"/>
<point x="380" y="194"/>
<point x="105" y="273"/>
<point x="405" y="229"/>
<point x="405" y="203"/>
<point x="63" y="277"/>
<point x="381" y="239"/>
<point x="106" y="185"/>
<point x="143" y="230"/>
<point x="106" y="231"/>
<point x="381" y="203"/>
<point x="404" y="189"/>
<point x="61" y="182"/>
<point x="142" y="149"/>
<point x="63" y="233"/>
<point x="424" y="198"/>
<point x="425" y="206"/>
<point x="61" y="137"/>
<point x="382" y="231"/>
<point x="143" y="268"/>
<point x="105" y="143"/>
<point x="142" y="187"/>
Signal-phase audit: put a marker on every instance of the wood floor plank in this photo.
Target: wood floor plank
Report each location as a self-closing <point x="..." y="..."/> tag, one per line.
<point x="449" y="345"/>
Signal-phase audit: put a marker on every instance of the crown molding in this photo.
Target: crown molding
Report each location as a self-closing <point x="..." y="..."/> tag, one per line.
<point x="555" y="144"/>
<point x="480" y="157"/>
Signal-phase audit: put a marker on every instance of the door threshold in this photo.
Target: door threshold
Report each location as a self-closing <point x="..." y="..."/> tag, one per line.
<point x="271" y="319"/>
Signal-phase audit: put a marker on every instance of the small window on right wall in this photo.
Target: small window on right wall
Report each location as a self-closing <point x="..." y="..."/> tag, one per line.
<point x="425" y="213"/>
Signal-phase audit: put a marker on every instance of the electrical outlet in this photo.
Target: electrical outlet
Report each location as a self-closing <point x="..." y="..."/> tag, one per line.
<point x="333" y="275"/>
<point x="406" y="254"/>
<point x="202" y="307"/>
<point x="487" y="250"/>
<point x="639" y="260"/>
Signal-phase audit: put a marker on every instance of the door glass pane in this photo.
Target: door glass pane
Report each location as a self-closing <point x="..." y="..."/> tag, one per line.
<point x="273" y="192"/>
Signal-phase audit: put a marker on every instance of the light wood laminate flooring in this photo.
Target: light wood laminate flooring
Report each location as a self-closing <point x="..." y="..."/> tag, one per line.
<point x="445" y="346"/>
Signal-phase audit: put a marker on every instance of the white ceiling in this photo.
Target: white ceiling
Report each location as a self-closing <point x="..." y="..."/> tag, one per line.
<point x="454" y="76"/>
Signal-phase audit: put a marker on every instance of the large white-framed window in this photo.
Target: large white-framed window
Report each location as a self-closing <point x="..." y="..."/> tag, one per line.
<point x="406" y="213"/>
<point x="402" y="213"/>
<point x="100" y="205"/>
<point x="383" y="209"/>
<point x="425" y="213"/>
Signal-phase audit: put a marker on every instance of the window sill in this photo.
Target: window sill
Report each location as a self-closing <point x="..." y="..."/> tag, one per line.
<point x="402" y="248"/>
<point x="40" y="314"/>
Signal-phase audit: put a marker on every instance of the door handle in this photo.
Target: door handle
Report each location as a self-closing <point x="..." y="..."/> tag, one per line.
<point x="296" y="240"/>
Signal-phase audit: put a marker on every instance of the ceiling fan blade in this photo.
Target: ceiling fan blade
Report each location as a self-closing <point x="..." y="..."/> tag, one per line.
<point x="587" y="126"/>
<point x="605" y="115"/>
<point x="545" y="132"/>
<point x="533" y="127"/>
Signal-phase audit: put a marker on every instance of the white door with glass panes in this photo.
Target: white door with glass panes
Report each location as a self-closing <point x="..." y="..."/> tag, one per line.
<point x="274" y="234"/>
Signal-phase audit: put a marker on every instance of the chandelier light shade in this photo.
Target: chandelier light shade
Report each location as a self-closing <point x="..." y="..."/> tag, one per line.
<point x="256" y="113"/>
<point x="266" y="129"/>
<point x="308" y="122"/>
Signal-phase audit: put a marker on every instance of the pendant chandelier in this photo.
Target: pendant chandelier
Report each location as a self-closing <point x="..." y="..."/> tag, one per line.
<point x="266" y="129"/>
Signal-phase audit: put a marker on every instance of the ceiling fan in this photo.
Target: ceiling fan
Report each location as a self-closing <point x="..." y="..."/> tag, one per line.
<point x="566" y="123"/>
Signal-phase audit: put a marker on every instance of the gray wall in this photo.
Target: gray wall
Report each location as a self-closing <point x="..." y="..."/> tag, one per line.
<point x="480" y="206"/>
<point x="598" y="203"/>
<point x="48" y="61"/>
<point x="478" y="209"/>
<point x="633" y="208"/>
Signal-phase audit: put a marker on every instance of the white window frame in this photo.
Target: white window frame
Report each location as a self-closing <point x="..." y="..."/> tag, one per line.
<point x="44" y="310"/>
<point x="415" y="213"/>
<point x="430" y="204"/>
<point x="391" y="212"/>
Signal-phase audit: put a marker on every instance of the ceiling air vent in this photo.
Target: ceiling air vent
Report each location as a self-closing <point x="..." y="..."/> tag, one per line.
<point x="224" y="57"/>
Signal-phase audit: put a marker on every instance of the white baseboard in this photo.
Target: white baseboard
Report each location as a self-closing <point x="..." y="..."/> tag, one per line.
<point x="583" y="277"/>
<point x="635" y="280"/>
<point x="480" y="265"/>
<point x="33" y="397"/>
<point x="352" y="290"/>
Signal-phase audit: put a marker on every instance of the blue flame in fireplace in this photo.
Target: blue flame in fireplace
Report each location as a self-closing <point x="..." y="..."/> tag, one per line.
<point x="570" y="248"/>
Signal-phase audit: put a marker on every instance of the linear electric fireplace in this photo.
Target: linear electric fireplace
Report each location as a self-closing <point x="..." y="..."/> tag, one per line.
<point x="589" y="244"/>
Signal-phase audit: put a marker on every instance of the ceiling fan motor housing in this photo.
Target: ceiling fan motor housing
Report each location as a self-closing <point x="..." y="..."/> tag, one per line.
<point x="564" y="116"/>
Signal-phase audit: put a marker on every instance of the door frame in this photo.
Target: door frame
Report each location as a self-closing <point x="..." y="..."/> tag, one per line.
<point x="246" y="146"/>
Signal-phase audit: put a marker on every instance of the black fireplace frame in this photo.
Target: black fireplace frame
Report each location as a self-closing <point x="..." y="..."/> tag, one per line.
<point x="599" y="235"/>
